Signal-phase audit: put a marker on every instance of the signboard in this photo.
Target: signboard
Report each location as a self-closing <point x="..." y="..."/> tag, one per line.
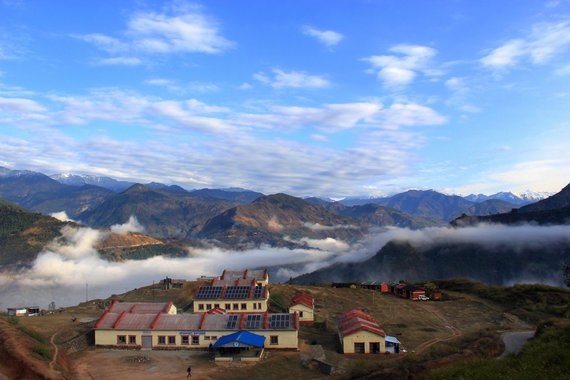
<point x="192" y="333"/>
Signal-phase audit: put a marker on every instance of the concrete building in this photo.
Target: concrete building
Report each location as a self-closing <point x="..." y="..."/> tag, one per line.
<point x="186" y="331"/>
<point x="360" y="334"/>
<point x="232" y="295"/>
<point x="304" y="305"/>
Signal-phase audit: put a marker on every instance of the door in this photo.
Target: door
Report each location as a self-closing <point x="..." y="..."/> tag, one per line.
<point x="358" y="348"/>
<point x="147" y="341"/>
<point x="374" y="347"/>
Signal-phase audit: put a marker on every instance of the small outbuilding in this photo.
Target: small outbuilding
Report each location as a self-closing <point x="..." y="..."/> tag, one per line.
<point x="304" y="305"/>
<point x="360" y="334"/>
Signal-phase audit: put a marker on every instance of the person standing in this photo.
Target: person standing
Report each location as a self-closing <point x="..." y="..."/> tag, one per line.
<point x="189" y="371"/>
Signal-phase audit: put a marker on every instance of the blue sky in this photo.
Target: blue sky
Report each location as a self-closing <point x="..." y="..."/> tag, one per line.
<point x="329" y="98"/>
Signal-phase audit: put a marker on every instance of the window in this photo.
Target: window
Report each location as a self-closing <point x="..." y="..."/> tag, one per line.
<point x="274" y="339"/>
<point x="132" y="339"/>
<point x="259" y="306"/>
<point x="195" y="339"/>
<point x="209" y="306"/>
<point x="121" y="339"/>
<point x="185" y="339"/>
<point x="216" y="305"/>
<point x="207" y="337"/>
<point x="172" y="339"/>
<point x="236" y="306"/>
<point x="300" y="314"/>
<point x="201" y="306"/>
<point x="228" y="306"/>
<point x="214" y="337"/>
<point x="358" y="348"/>
<point x="254" y="306"/>
<point x="161" y="339"/>
<point x="244" y="306"/>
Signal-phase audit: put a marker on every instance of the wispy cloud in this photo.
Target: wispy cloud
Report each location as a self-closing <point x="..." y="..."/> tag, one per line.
<point x="404" y="66"/>
<point x="292" y="79"/>
<point x="328" y="38"/>
<point x="545" y="41"/>
<point x="181" y="31"/>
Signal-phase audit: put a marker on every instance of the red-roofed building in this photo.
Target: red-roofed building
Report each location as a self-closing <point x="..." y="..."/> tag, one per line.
<point x="159" y="330"/>
<point x="305" y="306"/>
<point x="360" y="334"/>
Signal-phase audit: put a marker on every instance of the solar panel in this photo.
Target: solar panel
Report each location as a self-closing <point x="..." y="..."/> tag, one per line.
<point x="232" y="321"/>
<point x="209" y="292"/>
<point x="259" y="292"/>
<point x="253" y="321"/>
<point x="237" y="292"/>
<point x="280" y="321"/>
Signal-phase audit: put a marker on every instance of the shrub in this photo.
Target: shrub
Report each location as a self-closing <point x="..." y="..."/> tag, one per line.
<point x="43" y="352"/>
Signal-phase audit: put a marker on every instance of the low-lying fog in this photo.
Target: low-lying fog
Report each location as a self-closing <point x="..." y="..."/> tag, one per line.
<point x="66" y="267"/>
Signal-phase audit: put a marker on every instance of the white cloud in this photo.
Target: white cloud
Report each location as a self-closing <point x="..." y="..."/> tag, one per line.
<point x="505" y="55"/>
<point x="542" y="44"/>
<point x="327" y="37"/>
<point x="122" y="61"/>
<point x="20" y="106"/>
<point x="132" y="225"/>
<point x="158" y="33"/>
<point x="402" y="69"/>
<point x="62" y="216"/>
<point x="331" y="117"/>
<point x="292" y="79"/>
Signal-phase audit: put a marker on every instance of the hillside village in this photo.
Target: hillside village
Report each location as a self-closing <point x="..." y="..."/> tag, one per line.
<point x="341" y="330"/>
<point x="229" y="317"/>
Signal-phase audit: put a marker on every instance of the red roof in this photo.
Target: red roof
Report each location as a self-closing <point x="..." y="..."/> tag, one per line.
<point x="356" y="320"/>
<point x="303" y="299"/>
<point x="217" y="310"/>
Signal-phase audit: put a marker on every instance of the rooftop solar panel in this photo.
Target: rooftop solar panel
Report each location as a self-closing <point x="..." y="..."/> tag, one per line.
<point x="209" y="292"/>
<point x="280" y="321"/>
<point x="259" y="292"/>
<point x="232" y="321"/>
<point x="237" y="292"/>
<point x="253" y="321"/>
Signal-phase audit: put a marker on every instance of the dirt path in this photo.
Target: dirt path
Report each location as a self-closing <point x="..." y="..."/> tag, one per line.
<point x="436" y="313"/>
<point x="55" y="352"/>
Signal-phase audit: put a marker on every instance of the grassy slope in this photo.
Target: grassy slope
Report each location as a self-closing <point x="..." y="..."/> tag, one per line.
<point x="545" y="357"/>
<point x="23" y="233"/>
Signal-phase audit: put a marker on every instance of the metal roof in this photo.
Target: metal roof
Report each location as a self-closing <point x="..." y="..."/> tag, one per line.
<point x="205" y="321"/>
<point x="392" y="339"/>
<point x="241" y="337"/>
<point x="356" y="320"/>
<point x="303" y="299"/>
<point x="140" y="307"/>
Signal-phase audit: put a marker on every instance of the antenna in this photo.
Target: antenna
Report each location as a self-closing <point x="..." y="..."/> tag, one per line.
<point x="86" y="292"/>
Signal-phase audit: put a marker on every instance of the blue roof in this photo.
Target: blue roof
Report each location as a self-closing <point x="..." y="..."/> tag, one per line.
<point x="244" y="337"/>
<point x="392" y="339"/>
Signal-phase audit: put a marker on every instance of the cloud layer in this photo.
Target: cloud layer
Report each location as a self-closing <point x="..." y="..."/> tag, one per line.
<point x="61" y="272"/>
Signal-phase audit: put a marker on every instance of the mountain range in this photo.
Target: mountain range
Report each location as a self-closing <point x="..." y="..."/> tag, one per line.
<point x="492" y="263"/>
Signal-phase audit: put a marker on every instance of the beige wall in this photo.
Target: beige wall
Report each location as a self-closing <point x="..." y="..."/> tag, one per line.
<point x="365" y="337"/>
<point x="172" y="310"/>
<point x="308" y="314"/>
<point x="286" y="339"/>
<point x="222" y="304"/>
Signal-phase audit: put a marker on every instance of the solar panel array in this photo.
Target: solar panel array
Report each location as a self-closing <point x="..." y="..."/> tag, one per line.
<point x="209" y="292"/>
<point x="259" y="292"/>
<point x="278" y="321"/>
<point x="237" y="292"/>
<point x="232" y="321"/>
<point x="253" y="321"/>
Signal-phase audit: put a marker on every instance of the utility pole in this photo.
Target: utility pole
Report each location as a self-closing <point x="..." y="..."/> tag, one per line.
<point x="86" y="292"/>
